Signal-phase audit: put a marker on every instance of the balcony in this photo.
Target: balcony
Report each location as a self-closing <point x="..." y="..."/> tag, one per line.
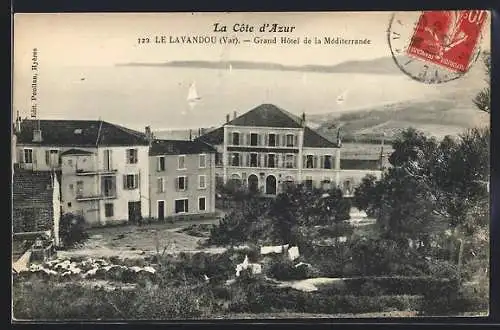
<point x="90" y="171"/>
<point x="84" y="198"/>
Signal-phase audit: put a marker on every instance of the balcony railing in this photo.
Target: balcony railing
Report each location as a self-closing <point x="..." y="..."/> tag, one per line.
<point x="81" y="171"/>
<point x="83" y="198"/>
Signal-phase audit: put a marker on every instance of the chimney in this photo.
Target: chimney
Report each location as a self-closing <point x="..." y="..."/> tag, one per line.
<point x="190" y="135"/>
<point x="17" y="127"/>
<point x="303" y="119"/>
<point x="235" y="114"/>
<point x="149" y="134"/>
<point x="37" y="135"/>
<point x="227" y="118"/>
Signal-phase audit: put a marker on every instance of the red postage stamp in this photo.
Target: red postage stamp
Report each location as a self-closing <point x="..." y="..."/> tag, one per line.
<point x="447" y="38"/>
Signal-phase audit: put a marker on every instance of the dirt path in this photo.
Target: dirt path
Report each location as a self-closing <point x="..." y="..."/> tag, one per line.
<point x="133" y="242"/>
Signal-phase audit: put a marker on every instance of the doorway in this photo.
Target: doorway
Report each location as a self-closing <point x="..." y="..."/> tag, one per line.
<point x="161" y="210"/>
<point x="134" y="211"/>
<point x="271" y="185"/>
<point x="253" y="183"/>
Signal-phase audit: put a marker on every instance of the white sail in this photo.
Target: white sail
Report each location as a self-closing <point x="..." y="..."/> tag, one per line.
<point x="230" y="68"/>
<point x="193" y="96"/>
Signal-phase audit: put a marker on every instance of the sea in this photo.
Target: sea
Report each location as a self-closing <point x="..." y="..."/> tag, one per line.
<point x="156" y="96"/>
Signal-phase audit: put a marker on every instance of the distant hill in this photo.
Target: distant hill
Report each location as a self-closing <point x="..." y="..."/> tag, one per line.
<point x="433" y="117"/>
<point x="383" y="65"/>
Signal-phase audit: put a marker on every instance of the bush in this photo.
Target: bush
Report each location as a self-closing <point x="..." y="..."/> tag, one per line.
<point x="49" y="301"/>
<point x="284" y="270"/>
<point x="72" y="229"/>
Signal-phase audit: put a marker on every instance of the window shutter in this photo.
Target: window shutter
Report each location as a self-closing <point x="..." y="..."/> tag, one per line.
<point x="185" y="183"/>
<point x="124" y="181"/>
<point x="137" y="181"/>
<point x="315" y="162"/>
<point x="304" y="163"/>
<point x="47" y="157"/>
<point x="294" y="158"/>
<point x="321" y="161"/>
<point x="266" y="139"/>
<point x="295" y="141"/>
<point x="176" y="184"/>
<point x="266" y="160"/>
<point x="20" y="156"/>
<point x="247" y="159"/>
<point x="33" y="155"/>
<point x="240" y="138"/>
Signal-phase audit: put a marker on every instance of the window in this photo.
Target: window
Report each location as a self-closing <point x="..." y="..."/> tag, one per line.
<point x="271" y="160"/>
<point x="181" y="183"/>
<point x="203" y="161"/>
<point x="271" y="140"/>
<point x="254" y="139"/>
<point x="181" y="206"/>
<point x="28" y="156"/>
<point x="202" y="204"/>
<point x="327" y="163"/>
<point x="107" y="160"/>
<point x="79" y="188"/>
<point x="52" y="157"/>
<point x="202" y="184"/>
<point x="309" y="161"/>
<point x="130" y="181"/>
<point x="161" y="163"/>
<point x="131" y="156"/>
<point x="254" y="160"/>
<point x="218" y="159"/>
<point x="290" y="139"/>
<point x="109" y="186"/>
<point x="160" y="185"/>
<point x="236" y="138"/>
<point x="290" y="161"/>
<point x="235" y="159"/>
<point x="108" y="210"/>
<point x="182" y="162"/>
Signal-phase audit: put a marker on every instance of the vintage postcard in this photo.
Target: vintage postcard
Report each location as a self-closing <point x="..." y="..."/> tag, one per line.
<point x="250" y="165"/>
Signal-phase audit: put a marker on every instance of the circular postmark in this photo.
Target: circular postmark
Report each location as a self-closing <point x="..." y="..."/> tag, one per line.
<point x="435" y="46"/>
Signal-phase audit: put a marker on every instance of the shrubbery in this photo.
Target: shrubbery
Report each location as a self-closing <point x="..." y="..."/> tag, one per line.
<point x="72" y="229"/>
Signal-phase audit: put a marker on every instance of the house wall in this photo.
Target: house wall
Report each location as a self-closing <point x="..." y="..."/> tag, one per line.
<point x="56" y="202"/>
<point x="192" y="193"/>
<point x="39" y="161"/>
<point x="94" y="210"/>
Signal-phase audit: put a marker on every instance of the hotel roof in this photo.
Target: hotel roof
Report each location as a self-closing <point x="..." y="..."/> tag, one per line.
<point x="269" y="115"/>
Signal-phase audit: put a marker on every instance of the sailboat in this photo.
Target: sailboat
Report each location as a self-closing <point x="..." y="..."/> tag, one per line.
<point x="230" y="68"/>
<point x="193" y="98"/>
<point x="341" y="97"/>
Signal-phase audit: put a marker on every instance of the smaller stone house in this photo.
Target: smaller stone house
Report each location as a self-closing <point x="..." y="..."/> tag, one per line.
<point x="36" y="205"/>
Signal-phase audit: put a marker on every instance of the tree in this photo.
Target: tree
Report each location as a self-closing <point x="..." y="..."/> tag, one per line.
<point x="72" y="229"/>
<point x="483" y="98"/>
<point x="366" y="195"/>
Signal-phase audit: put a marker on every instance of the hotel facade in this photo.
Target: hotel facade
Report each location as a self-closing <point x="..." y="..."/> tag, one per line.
<point x="268" y="148"/>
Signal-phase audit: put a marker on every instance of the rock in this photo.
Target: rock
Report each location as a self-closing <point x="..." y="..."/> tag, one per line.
<point x="293" y="253"/>
<point x="149" y="269"/>
<point x="136" y="269"/>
